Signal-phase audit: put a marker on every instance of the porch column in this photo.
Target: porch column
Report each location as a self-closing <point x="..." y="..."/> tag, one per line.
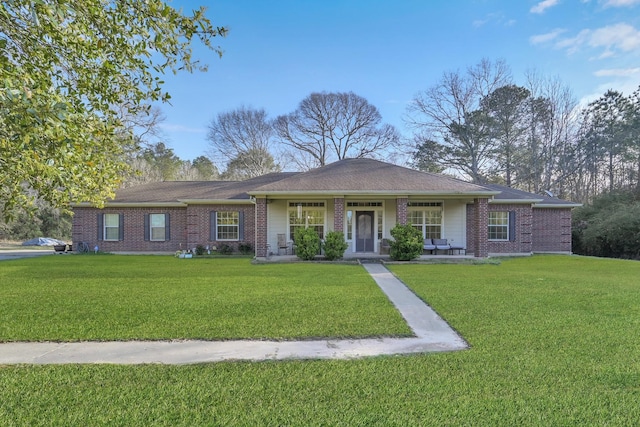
<point x="481" y="223"/>
<point x="401" y="210"/>
<point x="261" y="227"/>
<point x="338" y="214"/>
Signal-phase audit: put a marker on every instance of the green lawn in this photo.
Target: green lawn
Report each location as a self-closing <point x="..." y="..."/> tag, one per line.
<point x="76" y="298"/>
<point x="554" y="343"/>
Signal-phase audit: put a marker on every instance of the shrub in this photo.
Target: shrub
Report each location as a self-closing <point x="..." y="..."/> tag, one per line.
<point x="200" y="250"/>
<point x="334" y="245"/>
<point x="225" y="249"/>
<point x="407" y="243"/>
<point x="245" y="248"/>
<point x="307" y="243"/>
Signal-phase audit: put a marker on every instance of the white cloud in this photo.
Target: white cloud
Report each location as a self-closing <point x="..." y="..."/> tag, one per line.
<point x="621" y="36"/>
<point x="611" y="39"/>
<point x="620" y="3"/>
<point x="547" y="37"/>
<point x="618" y="72"/>
<point x="543" y="5"/>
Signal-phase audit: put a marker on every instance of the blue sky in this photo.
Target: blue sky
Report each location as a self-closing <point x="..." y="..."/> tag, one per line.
<point x="279" y="51"/>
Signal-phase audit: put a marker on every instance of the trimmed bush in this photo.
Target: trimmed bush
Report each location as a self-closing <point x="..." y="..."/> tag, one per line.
<point x="334" y="245"/>
<point x="407" y="243"/>
<point x="245" y="248"/>
<point x="307" y="243"/>
<point x="225" y="249"/>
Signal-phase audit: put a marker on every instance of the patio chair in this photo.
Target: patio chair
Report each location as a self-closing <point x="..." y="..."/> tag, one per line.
<point x="283" y="244"/>
<point x="428" y="245"/>
<point x="385" y="247"/>
<point x="441" y="245"/>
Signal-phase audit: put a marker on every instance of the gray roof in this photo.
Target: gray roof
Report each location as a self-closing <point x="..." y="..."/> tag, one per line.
<point x="367" y="175"/>
<point x="508" y="194"/>
<point x="349" y="176"/>
<point x="176" y="191"/>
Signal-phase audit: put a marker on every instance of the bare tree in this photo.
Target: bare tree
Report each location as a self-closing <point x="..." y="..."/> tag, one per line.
<point x="243" y="136"/>
<point x="450" y="113"/>
<point x="330" y="126"/>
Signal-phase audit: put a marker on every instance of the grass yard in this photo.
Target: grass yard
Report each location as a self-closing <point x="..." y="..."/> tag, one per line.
<point x="554" y="343"/>
<point x="79" y="298"/>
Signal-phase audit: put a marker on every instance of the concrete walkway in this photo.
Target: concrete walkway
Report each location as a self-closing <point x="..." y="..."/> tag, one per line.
<point x="432" y="334"/>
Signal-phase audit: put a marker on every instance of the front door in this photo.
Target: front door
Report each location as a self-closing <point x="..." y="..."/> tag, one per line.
<point x="364" y="231"/>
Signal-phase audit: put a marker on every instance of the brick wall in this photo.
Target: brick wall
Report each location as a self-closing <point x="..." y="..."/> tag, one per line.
<point x="261" y="228"/>
<point x="401" y="210"/>
<point x="551" y="230"/>
<point x="189" y="227"/>
<point x="522" y="242"/>
<point x="338" y="214"/>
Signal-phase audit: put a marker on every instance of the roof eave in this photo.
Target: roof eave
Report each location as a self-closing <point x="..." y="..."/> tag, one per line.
<point x="373" y="193"/>
<point x="557" y="205"/>
<point x="514" y="201"/>
<point x="177" y="204"/>
<point x="216" y="201"/>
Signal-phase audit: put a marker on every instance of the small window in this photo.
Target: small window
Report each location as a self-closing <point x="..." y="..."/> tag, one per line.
<point x="111" y="227"/>
<point x="157" y="227"/>
<point x="498" y="225"/>
<point x="228" y="225"/>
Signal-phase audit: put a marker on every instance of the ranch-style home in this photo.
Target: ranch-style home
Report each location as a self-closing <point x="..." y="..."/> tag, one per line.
<point x="363" y="198"/>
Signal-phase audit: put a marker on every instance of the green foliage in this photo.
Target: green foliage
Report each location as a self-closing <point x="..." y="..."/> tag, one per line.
<point x="69" y="69"/>
<point x="407" y="243"/>
<point x="334" y="245"/>
<point x="225" y="249"/>
<point x="307" y="243"/>
<point x="200" y="250"/>
<point x="245" y="248"/>
<point x="45" y="221"/>
<point x="610" y="227"/>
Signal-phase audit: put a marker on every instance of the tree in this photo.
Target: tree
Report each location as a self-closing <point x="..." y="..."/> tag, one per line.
<point x="506" y="109"/>
<point x="243" y="138"/>
<point x="164" y="160"/>
<point x="330" y="126"/>
<point x="450" y="113"/>
<point x="205" y="168"/>
<point x="240" y="168"/>
<point x="67" y="68"/>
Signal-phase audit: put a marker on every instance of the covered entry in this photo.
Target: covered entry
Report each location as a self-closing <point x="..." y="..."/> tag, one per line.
<point x="364" y="231"/>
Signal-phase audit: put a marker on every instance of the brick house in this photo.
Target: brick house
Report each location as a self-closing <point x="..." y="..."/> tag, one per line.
<point x="363" y="198"/>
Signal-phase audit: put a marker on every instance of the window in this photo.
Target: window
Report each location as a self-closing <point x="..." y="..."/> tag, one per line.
<point x="498" y="225"/>
<point x="157" y="224"/>
<point x="228" y="226"/>
<point x="306" y="215"/>
<point x="427" y="220"/>
<point x="349" y="225"/>
<point x="110" y="227"/>
<point x="380" y="227"/>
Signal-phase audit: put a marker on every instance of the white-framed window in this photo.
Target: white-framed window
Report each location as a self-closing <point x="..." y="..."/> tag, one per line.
<point x="306" y="215"/>
<point x="349" y="219"/>
<point x="499" y="225"/>
<point x="111" y="224"/>
<point x="228" y="225"/>
<point x="426" y="217"/>
<point x="157" y="227"/>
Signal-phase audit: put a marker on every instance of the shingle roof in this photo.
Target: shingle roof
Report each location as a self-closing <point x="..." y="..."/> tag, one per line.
<point x="367" y="175"/>
<point x="347" y="176"/>
<point x="175" y="191"/>
<point x="509" y="194"/>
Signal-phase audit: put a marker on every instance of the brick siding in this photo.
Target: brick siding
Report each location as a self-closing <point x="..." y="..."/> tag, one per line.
<point x="401" y="210"/>
<point x="551" y="230"/>
<point x="536" y="229"/>
<point x="338" y="214"/>
<point x="189" y="227"/>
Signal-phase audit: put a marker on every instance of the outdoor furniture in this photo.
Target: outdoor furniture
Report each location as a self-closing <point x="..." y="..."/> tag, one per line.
<point x="459" y="250"/>
<point x="283" y="244"/>
<point x="441" y="245"/>
<point x="385" y="247"/>
<point x="428" y="245"/>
